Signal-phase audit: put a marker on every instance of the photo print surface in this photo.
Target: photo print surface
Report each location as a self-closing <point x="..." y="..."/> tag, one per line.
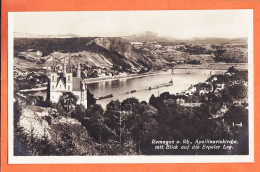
<point x="100" y="86"/>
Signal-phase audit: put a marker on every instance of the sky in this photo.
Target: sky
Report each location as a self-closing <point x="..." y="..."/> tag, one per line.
<point x="172" y="23"/>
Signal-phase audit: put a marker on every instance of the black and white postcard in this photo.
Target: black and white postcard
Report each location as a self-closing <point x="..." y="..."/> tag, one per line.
<point x="170" y="86"/>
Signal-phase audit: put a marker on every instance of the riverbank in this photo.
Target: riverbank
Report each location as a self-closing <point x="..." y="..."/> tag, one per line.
<point x="210" y="66"/>
<point x="111" y="78"/>
<point x="213" y="66"/>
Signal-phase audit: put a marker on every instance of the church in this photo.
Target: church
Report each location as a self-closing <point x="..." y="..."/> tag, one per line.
<point x="63" y="81"/>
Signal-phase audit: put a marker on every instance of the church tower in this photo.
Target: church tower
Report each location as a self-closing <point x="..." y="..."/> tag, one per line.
<point x="65" y="82"/>
<point x="79" y="71"/>
<point x="53" y="80"/>
<point x="69" y="79"/>
<point x="64" y="67"/>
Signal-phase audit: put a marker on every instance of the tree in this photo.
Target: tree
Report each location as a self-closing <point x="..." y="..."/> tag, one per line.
<point x="156" y="102"/>
<point x="17" y="113"/>
<point x="152" y="100"/>
<point x="226" y="97"/>
<point x="165" y="95"/>
<point x="116" y="118"/>
<point x="238" y="91"/>
<point x="67" y="103"/>
<point x="79" y="113"/>
<point x="237" y="118"/>
<point x="95" y="121"/>
<point x="232" y="69"/>
<point x="134" y="122"/>
<point x="113" y="147"/>
<point x="91" y="99"/>
<point x="237" y="114"/>
<point x="114" y="105"/>
<point x="128" y="103"/>
<point x="113" y="109"/>
<point x="67" y="144"/>
<point x="20" y="138"/>
<point x="44" y="146"/>
<point x="143" y="125"/>
<point x="21" y="147"/>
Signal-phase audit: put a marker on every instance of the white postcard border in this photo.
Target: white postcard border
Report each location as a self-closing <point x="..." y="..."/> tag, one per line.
<point x="135" y="158"/>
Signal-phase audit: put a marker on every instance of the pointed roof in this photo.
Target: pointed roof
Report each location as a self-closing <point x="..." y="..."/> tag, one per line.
<point x="61" y="79"/>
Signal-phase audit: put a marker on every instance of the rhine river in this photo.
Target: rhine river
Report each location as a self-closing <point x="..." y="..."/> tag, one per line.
<point x="182" y="80"/>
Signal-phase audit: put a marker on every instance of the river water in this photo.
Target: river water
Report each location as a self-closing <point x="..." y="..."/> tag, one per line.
<point x="182" y="80"/>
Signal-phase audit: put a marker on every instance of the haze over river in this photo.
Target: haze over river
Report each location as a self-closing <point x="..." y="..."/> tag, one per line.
<point x="182" y="80"/>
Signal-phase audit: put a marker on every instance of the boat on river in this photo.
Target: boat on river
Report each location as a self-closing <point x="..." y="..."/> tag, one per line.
<point x="104" y="97"/>
<point x="162" y="85"/>
<point x="130" y="92"/>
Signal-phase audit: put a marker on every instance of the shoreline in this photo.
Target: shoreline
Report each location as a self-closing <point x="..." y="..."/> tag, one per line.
<point x="214" y="66"/>
<point x="111" y="78"/>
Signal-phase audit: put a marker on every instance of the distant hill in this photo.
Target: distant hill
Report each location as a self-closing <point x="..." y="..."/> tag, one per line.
<point x="147" y="36"/>
<point x="29" y="35"/>
<point x="216" y="41"/>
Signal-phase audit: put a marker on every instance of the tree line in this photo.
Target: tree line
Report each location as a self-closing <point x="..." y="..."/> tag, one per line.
<point x="127" y="127"/>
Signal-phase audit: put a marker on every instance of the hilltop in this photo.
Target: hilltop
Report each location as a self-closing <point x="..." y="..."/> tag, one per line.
<point x="148" y="36"/>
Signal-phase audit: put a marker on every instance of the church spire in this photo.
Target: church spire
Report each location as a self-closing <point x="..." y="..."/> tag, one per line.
<point x="64" y="68"/>
<point x="53" y="64"/>
<point x="69" y="67"/>
<point x="79" y="71"/>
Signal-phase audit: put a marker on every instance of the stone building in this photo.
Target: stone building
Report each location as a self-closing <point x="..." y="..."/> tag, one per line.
<point x="64" y="81"/>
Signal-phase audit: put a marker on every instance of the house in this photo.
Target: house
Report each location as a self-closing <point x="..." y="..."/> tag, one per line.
<point x="193" y="89"/>
<point x="220" y="86"/>
<point x="137" y="44"/>
<point x="180" y="101"/>
<point x="214" y="79"/>
<point x="39" y="53"/>
<point x="157" y="46"/>
<point x="21" y="72"/>
<point x="46" y="68"/>
<point x="237" y="102"/>
<point x="188" y="92"/>
<point x="202" y="92"/>
<point x="228" y="74"/>
<point x="64" y="81"/>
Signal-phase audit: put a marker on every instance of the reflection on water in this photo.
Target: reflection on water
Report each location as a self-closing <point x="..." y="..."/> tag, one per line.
<point x="182" y="79"/>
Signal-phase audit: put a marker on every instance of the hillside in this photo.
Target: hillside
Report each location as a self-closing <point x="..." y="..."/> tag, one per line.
<point x="48" y="133"/>
<point x="98" y="52"/>
<point x="128" y="54"/>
